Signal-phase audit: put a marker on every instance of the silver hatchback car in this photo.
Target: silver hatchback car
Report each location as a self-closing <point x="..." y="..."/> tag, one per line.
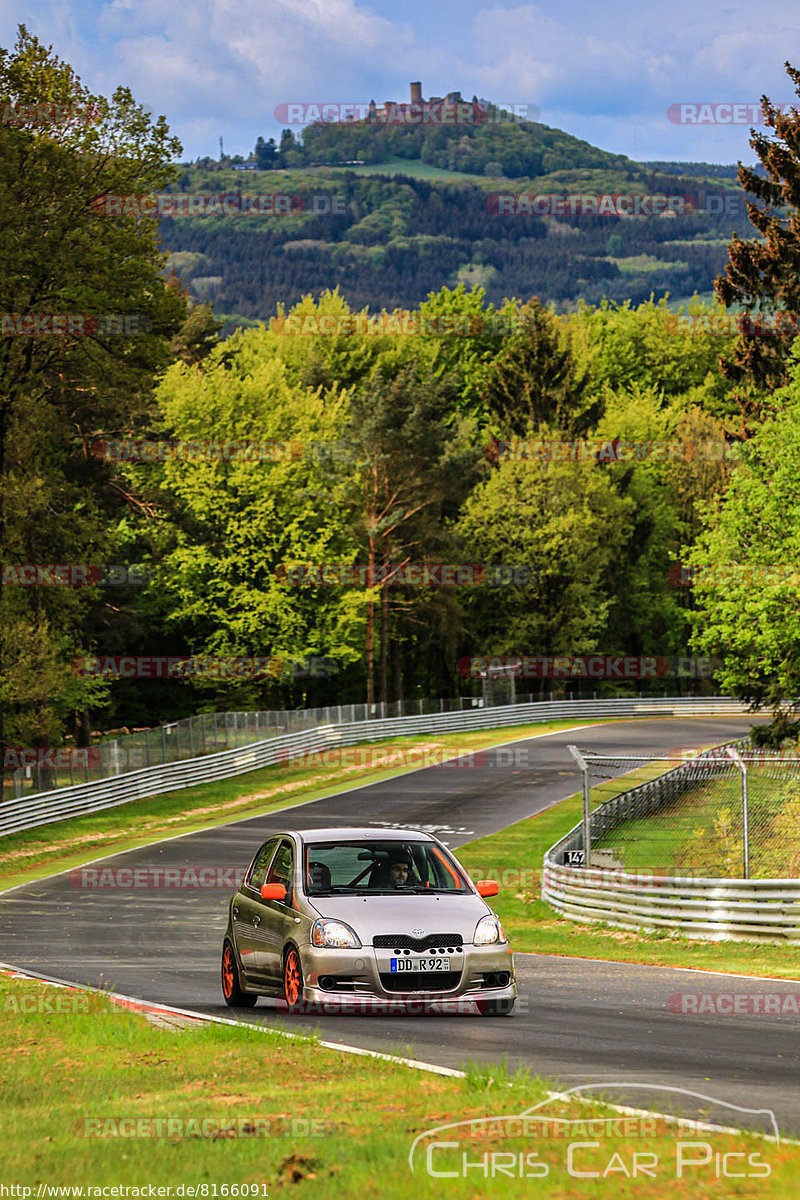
<point x="340" y="920"/>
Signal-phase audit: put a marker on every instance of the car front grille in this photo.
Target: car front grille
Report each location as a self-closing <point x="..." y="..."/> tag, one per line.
<point x="421" y="981"/>
<point x="404" y="941"/>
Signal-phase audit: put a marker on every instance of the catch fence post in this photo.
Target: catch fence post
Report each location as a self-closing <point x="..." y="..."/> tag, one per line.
<point x="587" y="838"/>
<point x="734" y="754"/>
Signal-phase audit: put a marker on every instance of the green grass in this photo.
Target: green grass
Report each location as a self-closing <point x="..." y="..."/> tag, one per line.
<point x="706" y="239"/>
<point x="415" y="169"/>
<point x="291" y="1116"/>
<point x="58" y="847"/>
<point x="637" y="263"/>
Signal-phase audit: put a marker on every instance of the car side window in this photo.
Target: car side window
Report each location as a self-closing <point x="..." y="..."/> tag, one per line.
<point x="282" y="868"/>
<point x="258" y="874"/>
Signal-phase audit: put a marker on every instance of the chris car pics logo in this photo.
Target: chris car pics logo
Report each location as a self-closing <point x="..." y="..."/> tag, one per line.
<point x="541" y="1142"/>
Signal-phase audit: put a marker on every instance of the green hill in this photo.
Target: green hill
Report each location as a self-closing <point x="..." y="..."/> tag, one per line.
<point x="431" y="206"/>
<point x="492" y="147"/>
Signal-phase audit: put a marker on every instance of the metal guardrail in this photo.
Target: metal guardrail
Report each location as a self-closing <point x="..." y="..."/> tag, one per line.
<point x="698" y="907"/>
<point x="716" y="909"/>
<point x="206" y="733"/>
<point x="210" y="733"/>
<point x="59" y="805"/>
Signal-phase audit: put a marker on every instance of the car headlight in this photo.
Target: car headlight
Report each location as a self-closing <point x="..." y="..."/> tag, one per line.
<point x="334" y="934"/>
<point x="487" y="931"/>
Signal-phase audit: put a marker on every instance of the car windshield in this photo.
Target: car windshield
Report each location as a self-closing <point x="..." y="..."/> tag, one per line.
<point x="374" y="868"/>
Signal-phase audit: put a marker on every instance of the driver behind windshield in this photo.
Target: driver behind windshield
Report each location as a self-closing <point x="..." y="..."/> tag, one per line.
<point x="398" y="870"/>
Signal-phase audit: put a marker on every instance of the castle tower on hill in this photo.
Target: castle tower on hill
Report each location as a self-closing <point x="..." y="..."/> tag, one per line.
<point x="391" y="111"/>
<point x="417" y="100"/>
<point x="417" y="97"/>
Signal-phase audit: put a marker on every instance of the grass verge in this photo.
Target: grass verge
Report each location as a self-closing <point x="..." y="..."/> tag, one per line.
<point x="94" y="1096"/>
<point x="36" y="852"/>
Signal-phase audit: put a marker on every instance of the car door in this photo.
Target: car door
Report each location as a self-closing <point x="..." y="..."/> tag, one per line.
<point x="248" y="910"/>
<point x="280" y="916"/>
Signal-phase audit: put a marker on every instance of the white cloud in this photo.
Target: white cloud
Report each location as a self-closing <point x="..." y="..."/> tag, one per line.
<point x="248" y="55"/>
<point x="609" y="74"/>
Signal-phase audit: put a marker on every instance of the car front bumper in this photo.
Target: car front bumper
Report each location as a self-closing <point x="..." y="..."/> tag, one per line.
<point x="362" y="980"/>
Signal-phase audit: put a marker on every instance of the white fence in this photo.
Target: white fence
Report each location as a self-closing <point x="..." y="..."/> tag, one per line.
<point x="47" y="807"/>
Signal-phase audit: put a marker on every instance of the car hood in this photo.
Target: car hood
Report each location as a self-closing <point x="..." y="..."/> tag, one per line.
<point x="435" y="912"/>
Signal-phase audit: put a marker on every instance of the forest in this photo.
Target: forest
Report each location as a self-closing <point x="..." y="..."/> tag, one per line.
<point x="387" y="241"/>
<point x="388" y="489"/>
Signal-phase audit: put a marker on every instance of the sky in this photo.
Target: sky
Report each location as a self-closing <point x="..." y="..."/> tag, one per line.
<point x="609" y="73"/>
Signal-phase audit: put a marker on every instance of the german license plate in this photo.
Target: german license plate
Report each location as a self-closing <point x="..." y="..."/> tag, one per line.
<point x="420" y="964"/>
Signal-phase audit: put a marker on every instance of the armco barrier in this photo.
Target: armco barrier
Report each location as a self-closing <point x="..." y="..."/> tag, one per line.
<point x="709" y="908"/>
<point x="715" y="909"/>
<point x="47" y="807"/>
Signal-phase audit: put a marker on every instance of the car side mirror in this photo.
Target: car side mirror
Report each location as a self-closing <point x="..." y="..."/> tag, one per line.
<point x="273" y="891"/>
<point x="487" y="887"/>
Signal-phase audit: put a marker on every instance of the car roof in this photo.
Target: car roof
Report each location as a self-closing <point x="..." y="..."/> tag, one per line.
<point x="339" y="833"/>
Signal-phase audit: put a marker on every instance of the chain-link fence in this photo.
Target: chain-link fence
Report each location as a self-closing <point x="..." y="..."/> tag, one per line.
<point x="210" y="732"/>
<point x="733" y="812"/>
<point x="192" y="737"/>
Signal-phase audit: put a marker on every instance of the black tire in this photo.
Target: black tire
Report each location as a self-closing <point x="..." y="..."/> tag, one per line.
<point x="497" y="1008"/>
<point x="234" y="996"/>
<point x="293" y="980"/>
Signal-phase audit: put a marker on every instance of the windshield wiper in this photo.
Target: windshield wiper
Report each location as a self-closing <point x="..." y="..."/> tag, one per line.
<point x="427" y="891"/>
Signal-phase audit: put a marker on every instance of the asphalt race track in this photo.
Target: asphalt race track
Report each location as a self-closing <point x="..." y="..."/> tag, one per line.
<point x="577" y="1021"/>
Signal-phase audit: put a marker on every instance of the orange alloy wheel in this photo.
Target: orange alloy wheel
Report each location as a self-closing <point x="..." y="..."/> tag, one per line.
<point x="228" y="969"/>
<point x="231" y="990"/>
<point x="292" y="979"/>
